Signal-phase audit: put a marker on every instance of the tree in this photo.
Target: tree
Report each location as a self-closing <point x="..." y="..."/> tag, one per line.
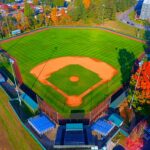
<point x="141" y="93"/>
<point x="134" y="144"/>
<point x="54" y="16"/>
<point x="64" y="18"/>
<point x="86" y="3"/>
<point x="28" y="11"/>
<point x="58" y="3"/>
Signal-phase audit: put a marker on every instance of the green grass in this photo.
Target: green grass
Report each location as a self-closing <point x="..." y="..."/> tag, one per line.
<point x="34" y="49"/>
<point x="12" y="135"/>
<point x="61" y="79"/>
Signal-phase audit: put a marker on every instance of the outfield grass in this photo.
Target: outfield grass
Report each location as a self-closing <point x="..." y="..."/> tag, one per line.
<point x="61" y="79"/>
<point x="39" y="47"/>
<point x="12" y="135"/>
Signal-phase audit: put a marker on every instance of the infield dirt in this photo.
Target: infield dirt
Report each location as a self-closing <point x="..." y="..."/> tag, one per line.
<point x="103" y="70"/>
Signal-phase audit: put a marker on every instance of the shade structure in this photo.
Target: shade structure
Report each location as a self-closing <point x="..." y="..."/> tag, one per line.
<point x="29" y="102"/>
<point x="41" y="124"/>
<point x="103" y="127"/>
<point x="116" y="119"/>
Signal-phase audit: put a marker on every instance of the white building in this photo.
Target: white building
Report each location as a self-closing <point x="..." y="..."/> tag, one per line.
<point x="145" y="11"/>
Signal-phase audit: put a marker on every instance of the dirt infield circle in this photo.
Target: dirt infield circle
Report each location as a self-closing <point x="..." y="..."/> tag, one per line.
<point x="44" y="70"/>
<point x="74" y="78"/>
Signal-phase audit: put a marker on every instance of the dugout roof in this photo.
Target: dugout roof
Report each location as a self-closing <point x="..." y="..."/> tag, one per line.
<point x="29" y="102"/>
<point x="116" y="119"/>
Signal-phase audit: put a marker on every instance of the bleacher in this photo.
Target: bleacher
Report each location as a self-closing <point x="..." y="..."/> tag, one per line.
<point x="74" y="138"/>
<point x="41" y="124"/>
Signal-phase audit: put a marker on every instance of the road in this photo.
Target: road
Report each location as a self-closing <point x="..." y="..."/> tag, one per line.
<point x="124" y="18"/>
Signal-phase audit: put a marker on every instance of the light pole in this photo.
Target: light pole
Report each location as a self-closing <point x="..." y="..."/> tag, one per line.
<point x="140" y="65"/>
<point x="16" y="87"/>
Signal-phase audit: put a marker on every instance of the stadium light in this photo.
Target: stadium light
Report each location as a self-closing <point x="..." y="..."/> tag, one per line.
<point x="16" y="87"/>
<point x="140" y="65"/>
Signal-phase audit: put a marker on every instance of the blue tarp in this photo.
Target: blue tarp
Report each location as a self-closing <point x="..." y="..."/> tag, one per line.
<point x="103" y="127"/>
<point x="29" y="102"/>
<point x="41" y="123"/>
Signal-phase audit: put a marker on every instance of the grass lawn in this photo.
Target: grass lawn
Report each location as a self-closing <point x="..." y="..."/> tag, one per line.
<point x="86" y="77"/>
<point x="34" y="49"/>
<point x="12" y="135"/>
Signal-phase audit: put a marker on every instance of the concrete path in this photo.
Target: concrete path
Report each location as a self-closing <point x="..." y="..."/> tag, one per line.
<point x="124" y="18"/>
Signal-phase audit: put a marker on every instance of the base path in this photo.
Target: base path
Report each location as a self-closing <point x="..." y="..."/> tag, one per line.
<point x="103" y="70"/>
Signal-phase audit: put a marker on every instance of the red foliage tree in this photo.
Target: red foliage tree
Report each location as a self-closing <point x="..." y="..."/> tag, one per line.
<point x="134" y="144"/>
<point x="143" y="81"/>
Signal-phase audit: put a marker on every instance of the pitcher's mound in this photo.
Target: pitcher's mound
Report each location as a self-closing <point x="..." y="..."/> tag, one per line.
<point x="74" y="78"/>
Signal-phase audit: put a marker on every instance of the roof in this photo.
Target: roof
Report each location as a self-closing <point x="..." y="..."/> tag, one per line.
<point x="146" y="2"/>
<point x="103" y="127"/>
<point x="116" y="119"/>
<point x="117" y="102"/>
<point x="29" y="102"/>
<point x="74" y="127"/>
<point x="41" y="123"/>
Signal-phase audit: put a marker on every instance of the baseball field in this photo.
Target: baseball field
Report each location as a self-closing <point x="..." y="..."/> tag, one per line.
<point x="73" y="68"/>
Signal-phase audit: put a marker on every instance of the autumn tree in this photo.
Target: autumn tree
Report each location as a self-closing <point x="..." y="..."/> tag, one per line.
<point x="135" y="139"/>
<point x="28" y="11"/>
<point x="64" y="18"/>
<point x="139" y="94"/>
<point x="54" y="16"/>
<point x="86" y="3"/>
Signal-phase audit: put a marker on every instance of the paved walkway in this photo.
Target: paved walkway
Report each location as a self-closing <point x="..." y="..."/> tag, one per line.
<point x="124" y="18"/>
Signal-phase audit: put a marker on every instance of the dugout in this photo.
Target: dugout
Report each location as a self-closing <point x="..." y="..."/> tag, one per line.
<point x="29" y="102"/>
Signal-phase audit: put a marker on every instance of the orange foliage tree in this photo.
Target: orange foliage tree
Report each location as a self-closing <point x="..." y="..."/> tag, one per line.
<point x="64" y="18"/>
<point x="86" y="3"/>
<point x="54" y="16"/>
<point x="143" y="81"/>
